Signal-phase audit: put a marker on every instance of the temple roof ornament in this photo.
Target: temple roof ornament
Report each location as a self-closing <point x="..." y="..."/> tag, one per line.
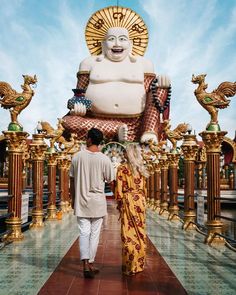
<point x="116" y="16"/>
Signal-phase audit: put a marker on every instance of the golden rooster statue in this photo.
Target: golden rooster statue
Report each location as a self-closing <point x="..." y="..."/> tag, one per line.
<point x="215" y="100"/>
<point x="174" y="135"/>
<point x="16" y="102"/>
<point x="54" y="135"/>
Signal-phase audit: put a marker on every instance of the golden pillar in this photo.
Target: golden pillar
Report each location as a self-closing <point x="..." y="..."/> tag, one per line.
<point x="198" y="167"/>
<point x="151" y="190"/>
<point x="201" y="159"/>
<point x="157" y="193"/>
<point x="37" y="148"/>
<point x="173" y="158"/>
<point x="212" y="141"/>
<point x="67" y="186"/>
<point x="15" y="142"/>
<point x="189" y="148"/>
<point x="52" y="164"/>
<point x="148" y="192"/>
<point x="164" y="183"/>
<point x="62" y="170"/>
<point x="25" y="159"/>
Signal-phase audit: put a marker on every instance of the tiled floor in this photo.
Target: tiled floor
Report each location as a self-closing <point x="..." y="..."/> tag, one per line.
<point x="202" y="270"/>
<point x="68" y="279"/>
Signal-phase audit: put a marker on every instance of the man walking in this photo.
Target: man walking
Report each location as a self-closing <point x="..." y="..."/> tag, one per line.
<point x="90" y="168"/>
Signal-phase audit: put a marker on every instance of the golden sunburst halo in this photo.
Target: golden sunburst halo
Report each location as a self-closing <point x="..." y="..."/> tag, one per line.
<point x="116" y="16"/>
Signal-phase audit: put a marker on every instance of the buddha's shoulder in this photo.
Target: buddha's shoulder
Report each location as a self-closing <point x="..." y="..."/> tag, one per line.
<point x="147" y="64"/>
<point x="87" y="63"/>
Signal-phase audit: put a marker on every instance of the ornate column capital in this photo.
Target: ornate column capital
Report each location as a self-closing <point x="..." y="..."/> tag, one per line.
<point x="189" y="147"/>
<point x="51" y="158"/>
<point x="213" y="140"/>
<point x="38" y="147"/>
<point x="15" y="140"/>
<point x="164" y="164"/>
<point x="62" y="160"/>
<point x="157" y="167"/>
<point x="173" y="159"/>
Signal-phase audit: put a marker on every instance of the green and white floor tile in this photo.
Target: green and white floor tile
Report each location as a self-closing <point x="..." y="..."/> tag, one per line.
<point x="25" y="266"/>
<point x="201" y="269"/>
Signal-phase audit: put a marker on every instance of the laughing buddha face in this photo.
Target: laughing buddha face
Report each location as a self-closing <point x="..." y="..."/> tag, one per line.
<point x="117" y="44"/>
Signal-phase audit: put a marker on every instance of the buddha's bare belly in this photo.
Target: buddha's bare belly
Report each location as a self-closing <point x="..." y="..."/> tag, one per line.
<point x="116" y="98"/>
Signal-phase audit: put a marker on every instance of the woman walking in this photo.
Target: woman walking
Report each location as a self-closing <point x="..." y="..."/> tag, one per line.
<point x="130" y="194"/>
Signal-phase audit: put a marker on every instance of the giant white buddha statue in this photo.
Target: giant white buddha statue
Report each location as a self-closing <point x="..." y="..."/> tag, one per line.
<point x="117" y="89"/>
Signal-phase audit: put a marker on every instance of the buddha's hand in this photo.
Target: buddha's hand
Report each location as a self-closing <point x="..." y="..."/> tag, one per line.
<point x="123" y="133"/>
<point x="148" y="136"/>
<point x="163" y="81"/>
<point x="79" y="109"/>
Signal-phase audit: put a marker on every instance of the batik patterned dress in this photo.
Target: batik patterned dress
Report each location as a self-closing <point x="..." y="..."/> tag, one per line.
<point x="130" y="194"/>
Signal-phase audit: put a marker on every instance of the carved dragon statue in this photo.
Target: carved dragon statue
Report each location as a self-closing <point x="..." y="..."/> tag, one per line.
<point x="16" y="102"/>
<point x="174" y="135"/>
<point x="54" y="135"/>
<point x="156" y="148"/>
<point x="215" y="100"/>
<point x="67" y="146"/>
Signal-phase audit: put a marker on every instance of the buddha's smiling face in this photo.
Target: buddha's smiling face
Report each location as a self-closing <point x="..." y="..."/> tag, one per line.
<point x="117" y="45"/>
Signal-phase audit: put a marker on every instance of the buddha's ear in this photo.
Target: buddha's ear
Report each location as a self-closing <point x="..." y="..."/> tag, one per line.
<point x="132" y="57"/>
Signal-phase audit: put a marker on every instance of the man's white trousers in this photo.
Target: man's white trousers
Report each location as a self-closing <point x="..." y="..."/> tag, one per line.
<point x="89" y="232"/>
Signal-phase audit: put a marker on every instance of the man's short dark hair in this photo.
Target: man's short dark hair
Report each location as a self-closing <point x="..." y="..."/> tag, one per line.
<point x="95" y="135"/>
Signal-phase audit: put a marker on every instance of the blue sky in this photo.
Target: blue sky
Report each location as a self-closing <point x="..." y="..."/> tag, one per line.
<point x="186" y="37"/>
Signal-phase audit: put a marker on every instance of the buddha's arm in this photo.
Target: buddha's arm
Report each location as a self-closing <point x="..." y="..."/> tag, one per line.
<point x="84" y="73"/>
<point x="156" y="103"/>
<point x="82" y="80"/>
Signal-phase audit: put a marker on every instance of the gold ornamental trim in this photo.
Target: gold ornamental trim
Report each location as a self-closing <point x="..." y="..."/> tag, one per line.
<point x="173" y="160"/>
<point x="212" y="140"/>
<point x="115" y="116"/>
<point x="116" y="16"/>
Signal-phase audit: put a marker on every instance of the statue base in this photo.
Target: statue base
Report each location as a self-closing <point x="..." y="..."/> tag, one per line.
<point x="15" y="127"/>
<point x="213" y="127"/>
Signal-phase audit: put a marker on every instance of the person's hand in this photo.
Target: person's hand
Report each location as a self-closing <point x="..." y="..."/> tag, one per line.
<point x="79" y="109"/>
<point x="148" y="136"/>
<point x="163" y="81"/>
